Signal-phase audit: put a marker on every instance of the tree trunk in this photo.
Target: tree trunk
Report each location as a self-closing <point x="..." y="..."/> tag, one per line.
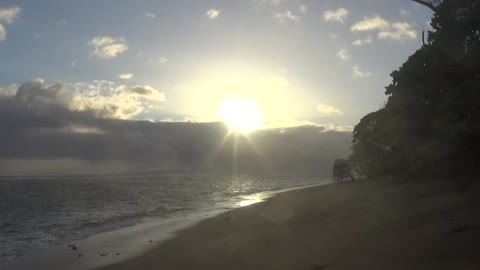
<point x="428" y="3"/>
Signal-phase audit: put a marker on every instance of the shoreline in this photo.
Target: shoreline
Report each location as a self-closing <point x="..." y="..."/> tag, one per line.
<point x="377" y="224"/>
<point x="128" y="242"/>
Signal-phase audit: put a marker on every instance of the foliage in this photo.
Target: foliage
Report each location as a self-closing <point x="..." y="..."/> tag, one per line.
<point x="342" y="171"/>
<point x="431" y="122"/>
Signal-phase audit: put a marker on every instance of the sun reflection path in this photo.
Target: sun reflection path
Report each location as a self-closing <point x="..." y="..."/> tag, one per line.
<point x="252" y="199"/>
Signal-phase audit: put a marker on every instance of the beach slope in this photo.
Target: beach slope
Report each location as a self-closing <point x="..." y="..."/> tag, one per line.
<point x="377" y="224"/>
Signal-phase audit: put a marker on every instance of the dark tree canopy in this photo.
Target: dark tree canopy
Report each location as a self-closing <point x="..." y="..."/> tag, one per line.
<point x="430" y="124"/>
<point x="342" y="171"/>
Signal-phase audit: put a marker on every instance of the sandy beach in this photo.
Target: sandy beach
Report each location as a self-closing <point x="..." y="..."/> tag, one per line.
<point x="377" y="224"/>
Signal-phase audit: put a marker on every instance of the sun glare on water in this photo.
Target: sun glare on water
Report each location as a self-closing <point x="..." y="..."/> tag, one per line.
<point x="240" y="113"/>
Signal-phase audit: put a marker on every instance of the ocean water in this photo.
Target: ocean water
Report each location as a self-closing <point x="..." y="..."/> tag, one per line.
<point x="43" y="212"/>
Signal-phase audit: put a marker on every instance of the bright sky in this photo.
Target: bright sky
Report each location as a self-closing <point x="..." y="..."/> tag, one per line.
<point x="301" y="61"/>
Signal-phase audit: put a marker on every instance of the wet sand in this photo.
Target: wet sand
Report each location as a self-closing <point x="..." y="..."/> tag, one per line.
<point x="377" y="224"/>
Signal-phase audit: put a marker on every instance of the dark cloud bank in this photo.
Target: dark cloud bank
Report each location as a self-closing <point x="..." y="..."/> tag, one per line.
<point x="40" y="134"/>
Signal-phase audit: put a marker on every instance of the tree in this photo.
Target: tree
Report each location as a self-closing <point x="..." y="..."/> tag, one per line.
<point x="429" y="124"/>
<point x="342" y="171"/>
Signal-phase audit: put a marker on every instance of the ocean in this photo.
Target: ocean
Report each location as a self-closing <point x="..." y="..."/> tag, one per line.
<point x="38" y="213"/>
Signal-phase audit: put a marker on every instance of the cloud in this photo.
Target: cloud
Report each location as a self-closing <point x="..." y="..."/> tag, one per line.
<point x="270" y="2"/>
<point x="283" y="17"/>
<point x="345" y="128"/>
<point x="303" y="8"/>
<point x="371" y="24"/>
<point x="339" y="15"/>
<point x="332" y="36"/>
<point x="277" y="81"/>
<point x="328" y="110"/>
<point x="213" y="13"/>
<point x="3" y="33"/>
<point x="125" y="76"/>
<point x="163" y="60"/>
<point x="34" y="92"/>
<point x="362" y="42"/>
<point x="343" y="54"/>
<point x="52" y="138"/>
<point x="404" y="12"/>
<point x="45" y="127"/>
<point x="62" y="22"/>
<point x="399" y="31"/>
<point x="358" y="73"/>
<point x="150" y="15"/>
<point x="7" y="15"/>
<point x="110" y="100"/>
<point x="9" y="90"/>
<point x="144" y="91"/>
<point x="108" y="47"/>
<point x="104" y="99"/>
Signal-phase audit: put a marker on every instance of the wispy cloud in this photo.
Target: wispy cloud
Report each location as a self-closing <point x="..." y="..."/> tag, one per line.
<point x="7" y="16"/>
<point x="270" y="2"/>
<point x="103" y="99"/>
<point x="125" y="76"/>
<point x="9" y="90"/>
<point x="399" y="31"/>
<point x="332" y="36"/>
<point x="362" y="42"/>
<point x="370" y="24"/>
<point x="213" y="13"/>
<point x="150" y="15"/>
<point x="328" y="110"/>
<point x="283" y="17"/>
<point x="404" y="12"/>
<point x="343" y="54"/>
<point x="144" y="91"/>
<point x="303" y="8"/>
<point x="276" y="81"/>
<point x="62" y="22"/>
<point x="359" y="74"/>
<point x="3" y="33"/>
<point x="110" y="100"/>
<point x="108" y="47"/>
<point x="163" y="60"/>
<point x="339" y="15"/>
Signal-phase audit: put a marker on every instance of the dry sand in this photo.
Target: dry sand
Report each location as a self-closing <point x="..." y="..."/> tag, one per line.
<point x="378" y="224"/>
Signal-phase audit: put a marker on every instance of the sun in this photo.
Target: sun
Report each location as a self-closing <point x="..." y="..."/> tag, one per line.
<point x="241" y="113"/>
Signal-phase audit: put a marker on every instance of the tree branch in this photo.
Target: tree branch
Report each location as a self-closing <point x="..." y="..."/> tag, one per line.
<point x="427" y="4"/>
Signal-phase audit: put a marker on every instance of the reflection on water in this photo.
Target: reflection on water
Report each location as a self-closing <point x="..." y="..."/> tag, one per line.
<point x="41" y="212"/>
<point x="251" y="199"/>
